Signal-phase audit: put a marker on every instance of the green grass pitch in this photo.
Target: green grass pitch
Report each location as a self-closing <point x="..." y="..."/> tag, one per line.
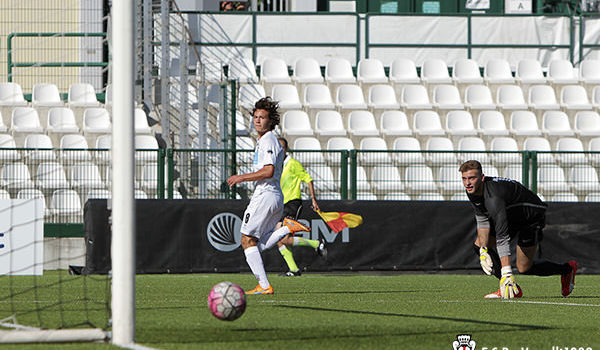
<point x="364" y="311"/>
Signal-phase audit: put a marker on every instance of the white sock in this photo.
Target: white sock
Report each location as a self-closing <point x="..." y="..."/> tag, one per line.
<point x="273" y="238"/>
<point x="255" y="262"/>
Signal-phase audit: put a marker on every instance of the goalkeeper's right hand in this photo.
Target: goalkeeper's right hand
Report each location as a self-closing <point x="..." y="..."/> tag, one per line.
<point x="485" y="260"/>
<point x="508" y="286"/>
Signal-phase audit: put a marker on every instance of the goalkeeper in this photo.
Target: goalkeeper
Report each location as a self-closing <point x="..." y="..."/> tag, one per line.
<point x="291" y="178"/>
<point x="505" y="210"/>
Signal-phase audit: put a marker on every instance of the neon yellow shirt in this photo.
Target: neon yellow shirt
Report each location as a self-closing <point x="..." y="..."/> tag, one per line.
<point x="291" y="177"/>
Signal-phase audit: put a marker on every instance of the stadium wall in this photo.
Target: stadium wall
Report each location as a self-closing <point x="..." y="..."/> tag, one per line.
<point x="203" y="236"/>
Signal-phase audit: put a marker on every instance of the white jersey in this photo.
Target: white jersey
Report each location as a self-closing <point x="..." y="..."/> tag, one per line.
<point x="268" y="152"/>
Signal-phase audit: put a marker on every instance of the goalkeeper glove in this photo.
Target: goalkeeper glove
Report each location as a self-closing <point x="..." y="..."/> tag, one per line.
<point x="508" y="286"/>
<point x="485" y="260"/>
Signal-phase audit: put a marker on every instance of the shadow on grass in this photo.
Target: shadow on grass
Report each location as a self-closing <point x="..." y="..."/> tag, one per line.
<point x="363" y="292"/>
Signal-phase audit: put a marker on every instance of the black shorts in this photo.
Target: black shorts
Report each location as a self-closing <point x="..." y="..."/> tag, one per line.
<point x="530" y="235"/>
<point x="292" y="209"/>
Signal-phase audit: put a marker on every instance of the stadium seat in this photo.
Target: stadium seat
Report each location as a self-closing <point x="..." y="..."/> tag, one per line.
<point x="330" y="195"/>
<point x="86" y="175"/>
<point x="396" y="196"/>
<point x="362" y="184"/>
<point x="382" y="97"/>
<point x="564" y="197"/>
<point x="307" y="70"/>
<point x="25" y="120"/>
<point x="324" y="181"/>
<point x="209" y="70"/>
<point x="541" y="97"/>
<point x="415" y="97"/>
<point x="96" y="121"/>
<point x="497" y="71"/>
<point x="296" y="123"/>
<point x="308" y="144"/>
<point x="411" y="151"/>
<point x="459" y="197"/>
<point x="575" y="150"/>
<point x="317" y="96"/>
<point x="370" y="144"/>
<point x="249" y="94"/>
<point x="460" y="123"/>
<point x="65" y="202"/>
<point x="108" y="96"/>
<point x="447" y="97"/>
<point x="350" y="97"/>
<point x="140" y="194"/>
<point x="556" y="123"/>
<point x="589" y="71"/>
<point x="479" y="97"/>
<point x="335" y="144"/>
<point x="370" y="71"/>
<point x="529" y="72"/>
<point x="287" y="95"/>
<point x="439" y="151"/>
<point x="466" y="71"/>
<point x="141" y="122"/>
<point x="103" y="149"/>
<point x="30" y="193"/>
<point x="245" y="143"/>
<point x="394" y="123"/>
<point x="504" y="151"/>
<point x="524" y="123"/>
<point x="242" y="70"/>
<point x="449" y="179"/>
<point x="427" y="123"/>
<point x="274" y="71"/>
<point x="514" y="172"/>
<point x="149" y="177"/>
<point x="15" y="176"/>
<point x="146" y="148"/>
<point x="61" y="120"/>
<point x="329" y="123"/>
<point x="361" y="124"/>
<point x="74" y="147"/>
<point x="587" y="124"/>
<point x="510" y="97"/>
<point x="435" y="71"/>
<point x="11" y="95"/>
<point x="472" y="144"/>
<point x="594" y="146"/>
<point x="491" y="123"/>
<point x="561" y="72"/>
<point x="3" y="127"/>
<point x="40" y="148"/>
<point x="51" y="176"/>
<point x="490" y="170"/>
<point x="430" y="196"/>
<point x="539" y="144"/>
<point x="592" y="197"/>
<point x="596" y="97"/>
<point x="339" y="71"/>
<point x="584" y="179"/>
<point x="574" y="97"/>
<point x="82" y="95"/>
<point x="551" y="178"/>
<point x="403" y="71"/>
<point x="8" y="151"/>
<point x="366" y="196"/>
<point x="46" y="95"/>
<point x="386" y="179"/>
<point x="419" y="178"/>
<point x="97" y="193"/>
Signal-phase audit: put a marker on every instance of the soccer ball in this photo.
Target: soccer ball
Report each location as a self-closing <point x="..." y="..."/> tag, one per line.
<point x="227" y="301"/>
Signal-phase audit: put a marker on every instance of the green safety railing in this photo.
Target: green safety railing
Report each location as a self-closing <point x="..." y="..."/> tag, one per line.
<point x="469" y="45"/>
<point x="255" y="44"/>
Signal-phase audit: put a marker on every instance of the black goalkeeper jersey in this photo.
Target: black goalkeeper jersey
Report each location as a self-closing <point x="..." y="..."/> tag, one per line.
<point x="508" y="207"/>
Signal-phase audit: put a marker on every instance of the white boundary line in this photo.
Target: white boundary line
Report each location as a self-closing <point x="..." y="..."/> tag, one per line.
<point x="549" y="303"/>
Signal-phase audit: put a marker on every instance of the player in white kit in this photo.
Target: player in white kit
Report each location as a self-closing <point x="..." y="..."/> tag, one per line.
<point x="266" y="206"/>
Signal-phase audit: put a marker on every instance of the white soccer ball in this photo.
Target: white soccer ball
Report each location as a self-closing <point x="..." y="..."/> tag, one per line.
<point x="227" y="301"/>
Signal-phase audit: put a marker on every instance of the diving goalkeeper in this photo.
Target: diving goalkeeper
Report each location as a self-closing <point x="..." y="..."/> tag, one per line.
<point x="292" y="176"/>
<point x="505" y="210"/>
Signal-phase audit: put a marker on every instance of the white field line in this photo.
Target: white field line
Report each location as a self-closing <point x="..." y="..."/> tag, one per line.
<point x="521" y="301"/>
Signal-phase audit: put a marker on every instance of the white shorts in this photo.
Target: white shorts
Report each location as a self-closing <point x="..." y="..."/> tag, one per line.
<point x="262" y="214"/>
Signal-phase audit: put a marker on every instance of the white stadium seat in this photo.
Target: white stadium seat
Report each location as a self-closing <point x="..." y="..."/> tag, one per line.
<point x="479" y="97"/>
<point x="65" y="202"/>
<point x="394" y="123"/>
<point x="51" y="176"/>
<point x="8" y="147"/>
<point x="287" y="96"/>
<point x="82" y="95"/>
<point x="510" y="97"/>
<point x="242" y="70"/>
<point x="404" y="71"/>
<point x="551" y="178"/>
<point x="15" y="176"/>
<point x="317" y="96"/>
<point x="539" y="144"/>
<point x="141" y="122"/>
<point x="350" y="97"/>
<point x="335" y="144"/>
<point x="594" y="146"/>
<point x="466" y="71"/>
<point x="472" y="144"/>
<point x="96" y="121"/>
<point x="556" y="123"/>
<point x="427" y="123"/>
<point x="149" y="144"/>
<point x="296" y="123"/>
<point x="529" y="72"/>
<point x="307" y="70"/>
<point x="46" y="95"/>
<point x="382" y="97"/>
<point x="589" y="71"/>
<point x="584" y="178"/>
<point x="86" y="175"/>
<point x="275" y="71"/>
<point x="460" y="123"/>
<point x="386" y="179"/>
<point x="574" y="97"/>
<point x="447" y="97"/>
<point x="419" y="178"/>
<point x="329" y="123"/>
<point x="491" y="123"/>
<point x="449" y="179"/>
<point x="504" y="144"/>
<point x="497" y="71"/>
<point x="11" y="95"/>
<point x="339" y="71"/>
<point x="362" y="123"/>
<point x="311" y="144"/>
<point x="524" y="123"/>
<point x="564" y="197"/>
<point x="443" y="144"/>
<point x="370" y="71"/>
<point x="44" y="146"/>
<point x="571" y="145"/>
<point x="561" y="72"/>
<point x="542" y="97"/>
<point x="373" y="144"/>
<point x="25" y="120"/>
<point x="587" y="124"/>
<point x="415" y="97"/>
<point x="514" y="172"/>
<point x="435" y="71"/>
<point x="411" y="151"/>
<point x="61" y="120"/>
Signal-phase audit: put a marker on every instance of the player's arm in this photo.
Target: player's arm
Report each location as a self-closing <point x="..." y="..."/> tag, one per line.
<point x="311" y="190"/>
<point x="264" y="173"/>
<point x="483" y="242"/>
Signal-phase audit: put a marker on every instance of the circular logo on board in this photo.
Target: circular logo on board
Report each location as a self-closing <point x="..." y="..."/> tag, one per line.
<point x="223" y="232"/>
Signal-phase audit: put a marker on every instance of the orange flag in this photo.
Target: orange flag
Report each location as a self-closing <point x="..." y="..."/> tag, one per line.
<point x="339" y="221"/>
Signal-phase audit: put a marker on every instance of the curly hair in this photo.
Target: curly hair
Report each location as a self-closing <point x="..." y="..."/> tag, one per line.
<point x="271" y="107"/>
